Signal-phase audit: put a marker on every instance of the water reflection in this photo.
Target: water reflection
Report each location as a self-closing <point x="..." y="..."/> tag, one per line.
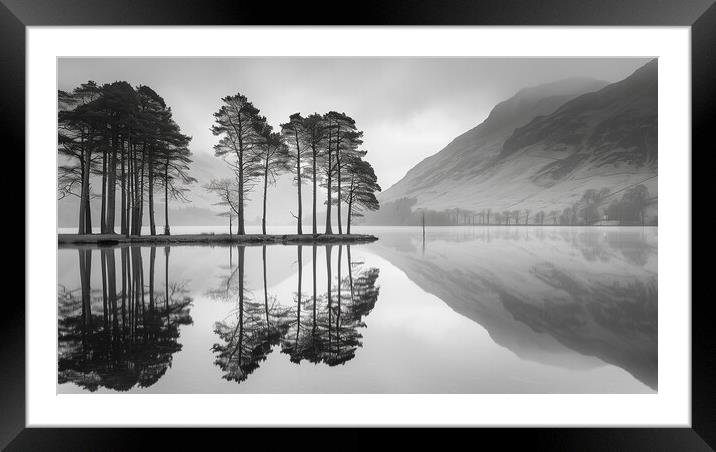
<point x="326" y="326"/>
<point x="254" y="329"/>
<point x="592" y="291"/>
<point x="321" y="328"/>
<point x="119" y="336"/>
<point x="495" y="309"/>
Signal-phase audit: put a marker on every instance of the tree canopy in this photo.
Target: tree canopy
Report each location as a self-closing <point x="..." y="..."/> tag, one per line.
<point x="117" y="136"/>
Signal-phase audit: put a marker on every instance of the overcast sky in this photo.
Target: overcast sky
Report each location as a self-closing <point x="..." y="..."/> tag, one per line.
<point x="408" y="108"/>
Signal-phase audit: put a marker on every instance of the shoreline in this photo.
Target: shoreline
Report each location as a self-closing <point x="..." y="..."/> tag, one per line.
<point x="65" y="240"/>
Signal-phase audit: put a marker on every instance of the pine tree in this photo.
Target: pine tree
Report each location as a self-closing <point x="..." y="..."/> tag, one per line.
<point x="314" y="128"/>
<point x="362" y="184"/>
<point x="272" y="159"/>
<point x="238" y="124"/>
<point x="294" y="133"/>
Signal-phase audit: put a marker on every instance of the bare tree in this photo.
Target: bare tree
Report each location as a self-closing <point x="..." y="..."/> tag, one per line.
<point x="227" y="191"/>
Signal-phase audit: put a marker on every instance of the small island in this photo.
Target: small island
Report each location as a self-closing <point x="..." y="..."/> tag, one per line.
<point x="192" y="239"/>
<point x="124" y="140"/>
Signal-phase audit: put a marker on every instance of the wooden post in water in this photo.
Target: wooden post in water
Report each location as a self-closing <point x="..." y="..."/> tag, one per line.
<point x="423" y="226"/>
<point x="423" y="222"/>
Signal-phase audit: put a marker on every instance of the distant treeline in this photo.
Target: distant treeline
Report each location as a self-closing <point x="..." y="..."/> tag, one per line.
<point x="323" y="149"/>
<point x="125" y="137"/>
<point x="594" y="206"/>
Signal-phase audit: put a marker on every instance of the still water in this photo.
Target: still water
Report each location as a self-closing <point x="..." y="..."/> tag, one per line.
<point x="466" y="310"/>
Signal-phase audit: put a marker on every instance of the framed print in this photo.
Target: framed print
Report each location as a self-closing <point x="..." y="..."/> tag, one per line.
<point x="424" y="215"/>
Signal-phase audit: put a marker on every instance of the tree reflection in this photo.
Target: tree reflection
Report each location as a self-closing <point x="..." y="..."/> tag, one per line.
<point x="119" y="339"/>
<point x="316" y="327"/>
<point x="302" y="339"/>
<point x="327" y="326"/>
<point x="363" y="289"/>
<point x="256" y="327"/>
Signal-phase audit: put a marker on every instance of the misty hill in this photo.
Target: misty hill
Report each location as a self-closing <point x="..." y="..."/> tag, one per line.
<point x="541" y="149"/>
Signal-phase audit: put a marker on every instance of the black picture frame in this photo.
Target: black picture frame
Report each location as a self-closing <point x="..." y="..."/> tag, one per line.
<point x="700" y="15"/>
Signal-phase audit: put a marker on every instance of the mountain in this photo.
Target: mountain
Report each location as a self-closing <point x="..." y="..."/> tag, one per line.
<point x="542" y="148"/>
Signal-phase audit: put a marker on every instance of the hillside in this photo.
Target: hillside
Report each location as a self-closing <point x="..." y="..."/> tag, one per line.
<point x="542" y="148"/>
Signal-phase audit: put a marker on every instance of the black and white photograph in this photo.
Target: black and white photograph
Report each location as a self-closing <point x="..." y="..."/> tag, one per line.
<point x="364" y="225"/>
<point x="422" y="215"/>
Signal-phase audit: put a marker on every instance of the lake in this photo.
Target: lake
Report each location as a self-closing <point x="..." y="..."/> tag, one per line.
<point x="464" y="310"/>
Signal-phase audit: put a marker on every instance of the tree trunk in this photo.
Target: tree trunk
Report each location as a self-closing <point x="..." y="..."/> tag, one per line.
<point x="329" y="230"/>
<point x="298" y="183"/>
<point x="102" y="220"/>
<point x="240" y="156"/>
<point x="130" y="188"/>
<point x="84" y="172"/>
<point x="315" y="229"/>
<point x="88" y="212"/>
<point x="140" y="207"/>
<point x="123" y="181"/>
<point x="263" y="218"/>
<point x="81" y="217"/>
<point x="135" y="192"/>
<point x="338" y="194"/>
<point x="348" y="220"/>
<point x="338" y="175"/>
<point x="166" y="198"/>
<point x="241" y="230"/>
<point x="350" y="206"/>
<point x="111" y="187"/>
<point x="152" y="225"/>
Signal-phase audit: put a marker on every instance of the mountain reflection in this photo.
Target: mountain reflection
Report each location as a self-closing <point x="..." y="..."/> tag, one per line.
<point x="122" y="333"/>
<point x="549" y="295"/>
<point x="319" y="326"/>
